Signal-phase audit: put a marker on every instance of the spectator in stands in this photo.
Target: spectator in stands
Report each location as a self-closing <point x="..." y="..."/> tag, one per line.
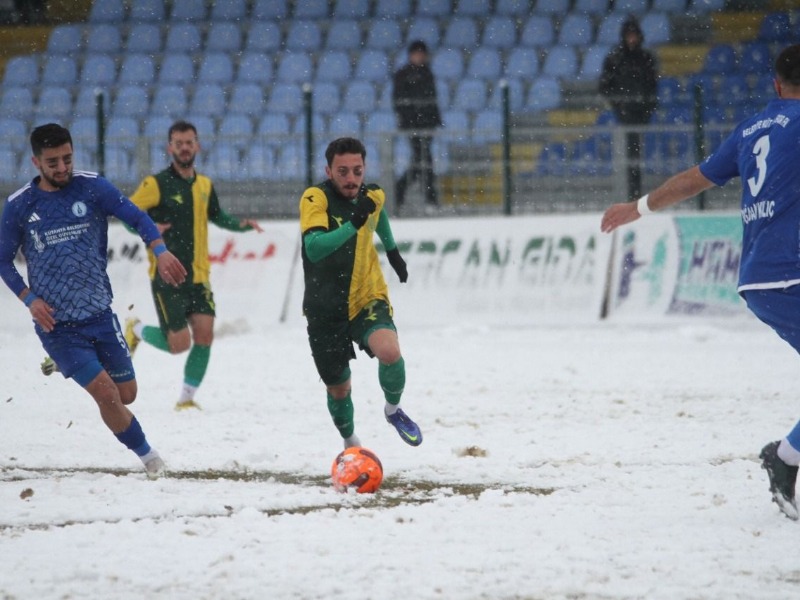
<point x="60" y="220"/>
<point x="346" y="300"/>
<point x="417" y="110"/>
<point x="628" y="80"/>
<point x="762" y="152"/>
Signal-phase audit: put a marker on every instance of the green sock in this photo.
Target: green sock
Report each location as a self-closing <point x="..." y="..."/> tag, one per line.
<point x="392" y="379"/>
<point x="342" y="413"/>
<point x="196" y="364"/>
<point x="155" y="337"/>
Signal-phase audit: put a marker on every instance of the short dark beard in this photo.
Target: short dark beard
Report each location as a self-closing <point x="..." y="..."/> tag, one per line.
<point x="57" y="184"/>
<point x="183" y="165"/>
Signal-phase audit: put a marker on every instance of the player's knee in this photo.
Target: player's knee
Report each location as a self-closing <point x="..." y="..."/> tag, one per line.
<point x="128" y="391"/>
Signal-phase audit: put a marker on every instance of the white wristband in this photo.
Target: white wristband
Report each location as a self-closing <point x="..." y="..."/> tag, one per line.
<point x="642" y="207"/>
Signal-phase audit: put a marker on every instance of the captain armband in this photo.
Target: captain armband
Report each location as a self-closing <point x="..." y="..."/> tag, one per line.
<point x="642" y="207"/>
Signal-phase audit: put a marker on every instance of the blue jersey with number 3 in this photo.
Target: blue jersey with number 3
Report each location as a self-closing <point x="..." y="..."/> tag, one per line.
<point x="764" y="151"/>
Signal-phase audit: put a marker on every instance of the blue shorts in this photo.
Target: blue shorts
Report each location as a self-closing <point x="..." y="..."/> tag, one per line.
<point x="778" y="308"/>
<point x="84" y="348"/>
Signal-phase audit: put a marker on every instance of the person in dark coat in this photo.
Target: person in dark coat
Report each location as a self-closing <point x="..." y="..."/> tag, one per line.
<point x="628" y="81"/>
<point x="417" y="110"/>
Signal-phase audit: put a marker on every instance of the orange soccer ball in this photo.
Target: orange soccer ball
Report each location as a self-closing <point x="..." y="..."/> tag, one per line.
<point x="357" y="468"/>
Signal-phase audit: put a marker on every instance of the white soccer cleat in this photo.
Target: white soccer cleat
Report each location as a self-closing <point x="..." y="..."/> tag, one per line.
<point x="155" y="468"/>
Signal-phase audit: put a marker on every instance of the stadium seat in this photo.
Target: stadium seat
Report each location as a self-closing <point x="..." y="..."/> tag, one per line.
<point x="137" y="69"/>
<point x="156" y="128"/>
<point x="448" y="64"/>
<point x="356" y="10"/>
<point x="434" y="8"/>
<point x="516" y="95"/>
<point x="552" y="7"/>
<point x="107" y="11"/>
<point x="272" y="126"/>
<point x="461" y="32"/>
<point x="224" y="162"/>
<point x="471" y="8"/>
<point x="311" y="9"/>
<point x="269" y="10"/>
<point x="204" y="125"/>
<point x="123" y="132"/>
<point x="254" y="67"/>
<point x="291" y="162"/>
<point x="670" y="92"/>
<point x="385" y="98"/>
<point x="755" y="58"/>
<point x="235" y="130"/>
<point x="14" y="132"/>
<point x="775" y="28"/>
<point x="595" y="8"/>
<point x="538" y="32"/>
<point x="169" y="99"/>
<point x="21" y="71"/>
<point x="327" y="97"/>
<point x="54" y="104"/>
<point x="147" y="11"/>
<point x="720" y="60"/>
<point x="9" y="159"/>
<point x="470" y="95"/>
<point x="334" y="66"/>
<point x="215" y="67"/>
<point x="85" y="104"/>
<point x="592" y="62"/>
<point x="344" y="35"/>
<point x="732" y="90"/>
<point x="384" y="35"/>
<point x="224" y="36"/>
<point x="553" y="160"/>
<point x="380" y="121"/>
<point x="118" y="165"/>
<point x="247" y="99"/>
<point x="131" y="101"/>
<point x="299" y="126"/>
<point x="359" y="97"/>
<point x="669" y="6"/>
<point x="762" y="89"/>
<point x="372" y="65"/>
<point x="228" y="10"/>
<point x="344" y="124"/>
<point x="304" y="35"/>
<point x="705" y="6"/>
<point x="83" y="131"/>
<point x="188" y="10"/>
<point x="487" y="127"/>
<point x="59" y="70"/>
<point x="442" y="93"/>
<point x="561" y="61"/>
<point x="295" y="67"/>
<point x="513" y="8"/>
<point x="393" y="8"/>
<point x="183" y="37"/>
<point x="522" y="63"/>
<point x="103" y="38"/>
<point x="485" y="63"/>
<point x="656" y="28"/>
<point x="425" y="29"/>
<point x="263" y="36"/>
<point x="208" y="100"/>
<point x="286" y="98"/>
<point x="145" y="38"/>
<point x="259" y="161"/>
<point x="65" y="38"/>
<point x="608" y="32"/>
<point x="544" y="94"/>
<point x="176" y="68"/>
<point x="98" y="70"/>
<point x="631" y="7"/>
<point x="499" y="32"/>
<point x="576" y="30"/>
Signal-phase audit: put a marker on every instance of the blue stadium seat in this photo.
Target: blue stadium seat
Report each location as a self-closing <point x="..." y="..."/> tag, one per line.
<point x="263" y="36"/>
<point x="65" y="38"/>
<point x="137" y="68"/>
<point x="119" y="166"/>
<point x="131" y="101"/>
<point x="334" y="66"/>
<point x="176" y="68"/>
<point x="259" y="161"/>
<point x="425" y="29"/>
<point x="608" y="32"/>
<point x="236" y="130"/>
<point x="344" y="124"/>
<point x="733" y="90"/>
<point x="485" y="63"/>
<point x="471" y="8"/>
<point x="592" y="62"/>
<point x="183" y="37"/>
<point x="104" y="38"/>
<point x="169" y="99"/>
<point x="21" y="71"/>
<point x="538" y="32"/>
<point x="8" y="164"/>
<point x="188" y="10"/>
<point x="656" y="28"/>
<point x="576" y="30"/>
<point x="295" y="67"/>
<point x="461" y="32"/>
<point x="85" y="104"/>
<point x="14" y="132"/>
<point x="225" y="162"/>
<point x="274" y="126"/>
<point x="384" y="35"/>
<point x="208" y="100"/>
<point x="522" y="63"/>
<point x="83" y="131"/>
<point x="216" y="67"/>
<point x="385" y="99"/>
<point x="255" y="67"/>
<point x="762" y="89"/>
<point x="755" y="58"/>
<point x="351" y="9"/>
<point x="499" y="32"/>
<point x="487" y="127"/>
<point x="720" y="60"/>
<point x="380" y="121"/>
<point x="203" y="123"/>
<point x="671" y="92"/>
<point x="359" y="97"/>
<point x="123" y="132"/>
<point x="54" y="104"/>
<point x="224" y="36"/>
<point x="552" y="7"/>
<point x="596" y="8"/>
<point x="291" y="162"/>
<point x="107" y="11"/>
<point x="344" y="35"/>
<point x="146" y="38"/>
<point x="434" y="8"/>
<point x="98" y="70"/>
<point x="553" y="160"/>
<point x="393" y="8"/>
<point x="513" y="8"/>
<point x="304" y="35"/>
<point x="669" y="6"/>
<point x="311" y="9"/>
<point x="299" y="125"/>
<point x="228" y="10"/>
<point x="442" y="93"/>
<point x="247" y="99"/>
<point x="706" y="6"/>
<point x="544" y="94"/>
<point x="470" y="95"/>
<point x="156" y="128"/>
<point x="776" y="27"/>
<point x="148" y="11"/>
<point x="516" y="95"/>
<point x="326" y="97"/>
<point x="286" y="98"/>
<point x="59" y="70"/>
<point x="561" y="61"/>
<point x="448" y="64"/>
<point x="372" y="65"/>
<point x="628" y="7"/>
<point x="269" y="10"/>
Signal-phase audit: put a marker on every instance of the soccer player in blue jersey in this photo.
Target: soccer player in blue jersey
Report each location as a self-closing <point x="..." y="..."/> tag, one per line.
<point x="60" y="220"/>
<point x="763" y="152"/>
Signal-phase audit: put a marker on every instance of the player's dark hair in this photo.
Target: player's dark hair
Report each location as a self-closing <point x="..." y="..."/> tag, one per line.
<point x="344" y="145"/>
<point x="51" y="135"/>
<point x="180" y="127"/>
<point x="787" y="65"/>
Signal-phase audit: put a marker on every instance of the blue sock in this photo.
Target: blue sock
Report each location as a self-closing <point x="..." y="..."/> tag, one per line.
<point x="794" y="437"/>
<point x="133" y="438"/>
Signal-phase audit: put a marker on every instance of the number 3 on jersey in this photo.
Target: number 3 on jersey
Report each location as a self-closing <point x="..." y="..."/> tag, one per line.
<point x="760" y="151"/>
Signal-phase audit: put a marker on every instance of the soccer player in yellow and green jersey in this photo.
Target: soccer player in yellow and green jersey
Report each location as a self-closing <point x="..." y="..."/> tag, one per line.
<point x="346" y="298"/>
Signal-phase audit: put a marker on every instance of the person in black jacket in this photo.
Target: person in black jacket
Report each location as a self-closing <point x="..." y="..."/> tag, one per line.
<point x="628" y="81"/>
<point x="417" y="109"/>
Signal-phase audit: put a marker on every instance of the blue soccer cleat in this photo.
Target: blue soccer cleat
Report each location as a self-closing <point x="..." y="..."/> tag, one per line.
<point x="408" y="430"/>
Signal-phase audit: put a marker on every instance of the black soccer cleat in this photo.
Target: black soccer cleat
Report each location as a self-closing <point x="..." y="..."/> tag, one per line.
<point x="782" y="479"/>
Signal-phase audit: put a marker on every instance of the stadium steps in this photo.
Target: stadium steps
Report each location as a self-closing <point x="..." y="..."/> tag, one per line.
<point x="735" y="27"/>
<point x="676" y="61"/>
<point x="572" y="118"/>
<point x="16" y="40"/>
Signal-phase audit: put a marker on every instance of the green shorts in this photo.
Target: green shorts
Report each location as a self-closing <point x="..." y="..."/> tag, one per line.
<point x="332" y="340"/>
<point x="175" y="304"/>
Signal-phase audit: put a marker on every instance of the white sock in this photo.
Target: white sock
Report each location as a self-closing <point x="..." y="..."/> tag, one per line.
<point x="150" y="455"/>
<point x="188" y="392"/>
<point x="138" y="328"/>
<point x="788" y="454"/>
<point x="390" y="409"/>
<point x="351" y="441"/>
